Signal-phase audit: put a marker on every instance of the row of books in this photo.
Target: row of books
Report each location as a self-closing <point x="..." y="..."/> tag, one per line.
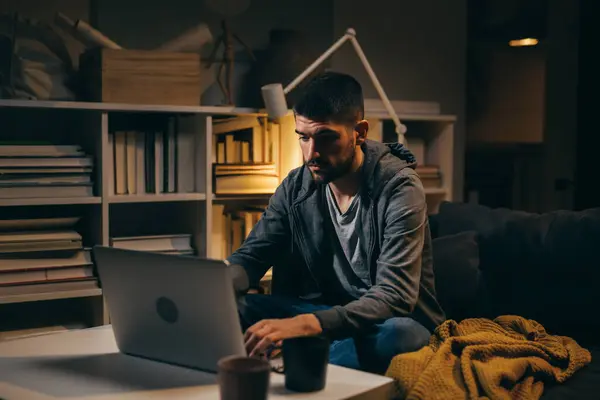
<point x="44" y="170"/>
<point x="152" y="162"/>
<point x="245" y="140"/>
<point x="230" y="228"/>
<point x="245" y="156"/>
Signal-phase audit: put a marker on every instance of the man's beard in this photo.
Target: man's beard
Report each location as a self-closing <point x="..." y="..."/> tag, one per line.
<point x="328" y="173"/>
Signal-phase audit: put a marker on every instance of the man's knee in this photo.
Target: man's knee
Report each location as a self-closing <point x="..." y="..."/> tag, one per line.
<point x="404" y="335"/>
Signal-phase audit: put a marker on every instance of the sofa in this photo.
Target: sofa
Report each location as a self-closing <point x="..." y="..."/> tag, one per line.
<point x="546" y="267"/>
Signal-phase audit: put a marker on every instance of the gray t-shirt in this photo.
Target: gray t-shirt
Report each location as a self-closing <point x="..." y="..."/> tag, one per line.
<point x="349" y="261"/>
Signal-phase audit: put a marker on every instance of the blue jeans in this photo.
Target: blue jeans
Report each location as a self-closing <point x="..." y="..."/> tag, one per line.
<point x="370" y="352"/>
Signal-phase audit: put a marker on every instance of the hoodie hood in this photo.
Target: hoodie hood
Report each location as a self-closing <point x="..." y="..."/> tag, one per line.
<point x="382" y="162"/>
<point x="403" y="153"/>
<point x="376" y="151"/>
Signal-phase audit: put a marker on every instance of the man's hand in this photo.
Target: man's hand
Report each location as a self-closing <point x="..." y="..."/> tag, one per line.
<point x="260" y="336"/>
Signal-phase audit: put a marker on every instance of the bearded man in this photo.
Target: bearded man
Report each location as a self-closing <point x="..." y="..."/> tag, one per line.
<point x="348" y="238"/>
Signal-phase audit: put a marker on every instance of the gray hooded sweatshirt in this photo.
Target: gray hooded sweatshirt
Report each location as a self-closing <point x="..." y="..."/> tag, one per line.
<point x="294" y="237"/>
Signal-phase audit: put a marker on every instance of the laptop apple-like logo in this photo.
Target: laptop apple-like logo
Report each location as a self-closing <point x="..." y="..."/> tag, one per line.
<point x="167" y="310"/>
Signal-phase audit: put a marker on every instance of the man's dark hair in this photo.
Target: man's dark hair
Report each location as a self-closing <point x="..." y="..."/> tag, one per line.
<point x="331" y="96"/>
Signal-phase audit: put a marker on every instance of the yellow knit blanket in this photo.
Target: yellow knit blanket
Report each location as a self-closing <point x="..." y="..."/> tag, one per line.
<point x="507" y="358"/>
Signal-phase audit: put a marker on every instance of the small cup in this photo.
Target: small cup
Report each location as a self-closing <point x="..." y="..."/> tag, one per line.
<point x="243" y="378"/>
<point x="305" y="361"/>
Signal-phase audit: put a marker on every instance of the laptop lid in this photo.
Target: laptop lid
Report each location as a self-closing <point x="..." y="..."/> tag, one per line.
<point x="175" y="309"/>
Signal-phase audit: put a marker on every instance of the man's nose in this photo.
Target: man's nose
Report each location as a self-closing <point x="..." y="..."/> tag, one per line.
<point x="312" y="149"/>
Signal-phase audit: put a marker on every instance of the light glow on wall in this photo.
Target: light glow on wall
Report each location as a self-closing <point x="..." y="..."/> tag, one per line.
<point x="523" y="42"/>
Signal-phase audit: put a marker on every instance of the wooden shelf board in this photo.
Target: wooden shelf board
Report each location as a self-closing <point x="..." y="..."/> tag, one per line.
<point x="52" y="295"/>
<point x="121" y="107"/>
<point x="413" y="117"/>
<point x="243" y="197"/>
<point x="156" y="198"/>
<point x="43" y="201"/>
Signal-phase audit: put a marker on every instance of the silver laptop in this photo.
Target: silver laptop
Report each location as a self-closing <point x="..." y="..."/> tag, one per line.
<point x="175" y="309"/>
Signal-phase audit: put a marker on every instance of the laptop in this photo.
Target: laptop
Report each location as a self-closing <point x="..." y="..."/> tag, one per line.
<point x="175" y="309"/>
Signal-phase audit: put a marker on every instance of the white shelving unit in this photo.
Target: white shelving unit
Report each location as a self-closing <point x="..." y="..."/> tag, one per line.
<point x="90" y="124"/>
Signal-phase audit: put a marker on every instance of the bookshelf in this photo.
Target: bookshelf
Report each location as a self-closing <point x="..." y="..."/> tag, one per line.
<point x="107" y="215"/>
<point x="110" y="214"/>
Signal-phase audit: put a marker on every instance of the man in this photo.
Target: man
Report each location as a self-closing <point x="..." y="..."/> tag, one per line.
<point x="348" y="238"/>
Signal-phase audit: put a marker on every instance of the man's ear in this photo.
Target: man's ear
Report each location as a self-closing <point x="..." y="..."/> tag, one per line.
<point x="362" y="130"/>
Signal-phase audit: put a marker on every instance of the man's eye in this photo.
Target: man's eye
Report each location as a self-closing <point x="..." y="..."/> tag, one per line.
<point x="304" y="138"/>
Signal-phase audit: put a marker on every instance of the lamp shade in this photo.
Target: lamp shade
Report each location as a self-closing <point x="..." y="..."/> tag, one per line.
<point x="274" y="98"/>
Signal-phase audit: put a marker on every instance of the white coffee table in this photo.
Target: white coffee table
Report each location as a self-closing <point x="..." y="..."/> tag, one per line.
<point x="86" y="364"/>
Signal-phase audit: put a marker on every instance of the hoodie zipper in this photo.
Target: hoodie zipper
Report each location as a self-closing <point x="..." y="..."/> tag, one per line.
<point x="372" y="242"/>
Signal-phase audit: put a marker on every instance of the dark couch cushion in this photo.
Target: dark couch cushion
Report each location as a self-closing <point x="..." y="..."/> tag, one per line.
<point x="541" y="266"/>
<point x="457" y="276"/>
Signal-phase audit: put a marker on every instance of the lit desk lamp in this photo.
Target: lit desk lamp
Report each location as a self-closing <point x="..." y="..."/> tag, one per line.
<point x="274" y="93"/>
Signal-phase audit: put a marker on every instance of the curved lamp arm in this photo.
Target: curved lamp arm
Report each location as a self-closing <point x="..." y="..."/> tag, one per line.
<point x="274" y="94"/>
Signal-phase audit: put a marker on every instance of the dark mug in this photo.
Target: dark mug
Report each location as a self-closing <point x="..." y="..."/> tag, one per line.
<point x="305" y="362"/>
<point x="243" y="378"/>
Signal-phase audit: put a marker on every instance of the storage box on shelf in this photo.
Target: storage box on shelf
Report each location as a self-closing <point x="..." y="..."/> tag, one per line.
<point x="141" y="76"/>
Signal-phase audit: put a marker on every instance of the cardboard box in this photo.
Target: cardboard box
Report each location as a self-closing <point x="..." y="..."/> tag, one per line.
<point x="140" y="77"/>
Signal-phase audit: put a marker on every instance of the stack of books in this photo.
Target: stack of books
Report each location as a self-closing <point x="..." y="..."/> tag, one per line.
<point x="45" y="250"/>
<point x="245" y="179"/>
<point x="28" y="171"/>
<point x="177" y="244"/>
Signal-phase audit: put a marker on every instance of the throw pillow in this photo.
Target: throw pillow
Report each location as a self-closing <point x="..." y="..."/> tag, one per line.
<point x="457" y="274"/>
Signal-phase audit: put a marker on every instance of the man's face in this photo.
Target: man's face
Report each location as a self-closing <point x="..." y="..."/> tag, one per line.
<point x="328" y="149"/>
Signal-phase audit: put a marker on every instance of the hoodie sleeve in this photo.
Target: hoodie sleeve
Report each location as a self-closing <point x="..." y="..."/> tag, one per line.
<point x="396" y="289"/>
<point x="266" y="240"/>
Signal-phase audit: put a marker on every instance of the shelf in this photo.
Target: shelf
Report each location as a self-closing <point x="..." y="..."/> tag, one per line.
<point x="52" y="295"/>
<point x="243" y="197"/>
<point x="47" y="201"/>
<point x="156" y="198"/>
<point x="82" y="105"/>
<point x="413" y="117"/>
